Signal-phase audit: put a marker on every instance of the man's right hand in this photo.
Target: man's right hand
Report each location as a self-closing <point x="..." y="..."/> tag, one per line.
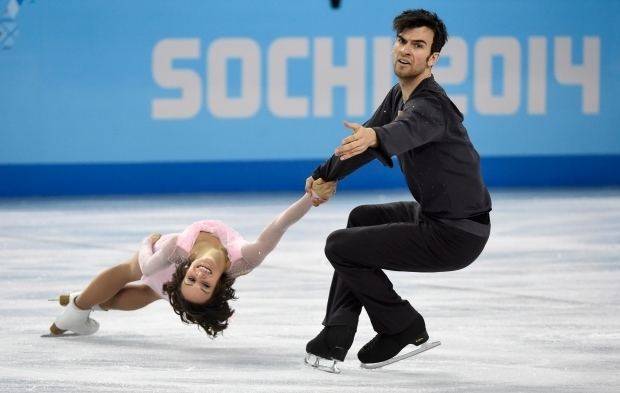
<point x="320" y="190"/>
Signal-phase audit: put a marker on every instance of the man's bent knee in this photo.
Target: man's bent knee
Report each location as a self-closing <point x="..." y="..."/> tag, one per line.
<point x="336" y="245"/>
<point x="357" y="215"/>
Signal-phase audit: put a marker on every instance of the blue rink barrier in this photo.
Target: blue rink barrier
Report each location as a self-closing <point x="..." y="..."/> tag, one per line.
<point x="264" y="176"/>
<point x="241" y="95"/>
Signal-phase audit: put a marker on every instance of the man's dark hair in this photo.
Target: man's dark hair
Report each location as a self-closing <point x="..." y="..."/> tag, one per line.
<point x="410" y="19"/>
<point x="211" y="316"/>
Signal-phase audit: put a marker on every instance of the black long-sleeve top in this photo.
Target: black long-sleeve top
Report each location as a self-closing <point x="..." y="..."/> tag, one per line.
<point x="436" y="156"/>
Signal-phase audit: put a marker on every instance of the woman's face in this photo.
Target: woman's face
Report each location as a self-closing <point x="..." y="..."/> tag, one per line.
<point x="202" y="276"/>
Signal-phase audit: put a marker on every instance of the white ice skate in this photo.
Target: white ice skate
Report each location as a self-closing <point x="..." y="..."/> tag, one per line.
<point x="73" y="318"/>
<point x="63" y="300"/>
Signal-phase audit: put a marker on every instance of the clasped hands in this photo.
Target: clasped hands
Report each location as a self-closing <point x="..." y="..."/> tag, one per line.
<point x="361" y="138"/>
<point x="320" y="190"/>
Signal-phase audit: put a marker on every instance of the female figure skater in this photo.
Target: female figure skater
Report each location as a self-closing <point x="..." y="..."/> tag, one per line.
<point x="193" y="270"/>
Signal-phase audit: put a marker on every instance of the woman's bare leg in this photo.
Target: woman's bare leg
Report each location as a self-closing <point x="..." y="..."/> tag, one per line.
<point x="130" y="297"/>
<point x="108" y="283"/>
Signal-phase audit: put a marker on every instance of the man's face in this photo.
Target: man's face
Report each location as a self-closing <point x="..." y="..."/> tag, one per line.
<point x="411" y="55"/>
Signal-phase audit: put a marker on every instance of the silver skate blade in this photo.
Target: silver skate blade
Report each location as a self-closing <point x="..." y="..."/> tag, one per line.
<point x="422" y="348"/>
<point x="322" y="364"/>
<point x="60" y="335"/>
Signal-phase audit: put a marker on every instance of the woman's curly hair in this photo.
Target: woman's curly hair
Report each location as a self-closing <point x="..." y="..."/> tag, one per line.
<point x="211" y="316"/>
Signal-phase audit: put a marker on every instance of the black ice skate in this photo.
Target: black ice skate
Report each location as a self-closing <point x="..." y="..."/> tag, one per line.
<point x="383" y="348"/>
<point x="329" y="347"/>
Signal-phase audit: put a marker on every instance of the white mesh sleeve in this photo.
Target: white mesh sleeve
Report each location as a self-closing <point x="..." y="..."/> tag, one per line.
<point x="145" y="252"/>
<point x="151" y="262"/>
<point x="254" y="253"/>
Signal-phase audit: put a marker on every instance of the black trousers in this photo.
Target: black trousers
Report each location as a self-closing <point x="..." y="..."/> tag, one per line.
<point x="394" y="236"/>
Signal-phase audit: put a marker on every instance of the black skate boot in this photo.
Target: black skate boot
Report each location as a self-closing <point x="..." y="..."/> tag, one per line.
<point x="331" y="345"/>
<point x="381" y="350"/>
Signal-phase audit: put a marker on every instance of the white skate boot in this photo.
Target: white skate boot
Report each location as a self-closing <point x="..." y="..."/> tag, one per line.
<point x="65" y="298"/>
<point x="73" y="318"/>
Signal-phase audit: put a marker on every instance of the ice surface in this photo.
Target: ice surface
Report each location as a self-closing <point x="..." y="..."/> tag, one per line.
<point x="538" y="311"/>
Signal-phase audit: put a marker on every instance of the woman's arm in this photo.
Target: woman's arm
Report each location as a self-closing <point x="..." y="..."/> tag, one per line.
<point x="254" y="253"/>
<point x="151" y="262"/>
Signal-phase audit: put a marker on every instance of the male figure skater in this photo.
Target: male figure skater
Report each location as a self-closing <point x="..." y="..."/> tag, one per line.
<point x="444" y="229"/>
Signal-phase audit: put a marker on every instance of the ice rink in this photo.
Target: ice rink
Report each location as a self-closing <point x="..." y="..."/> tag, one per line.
<point x="537" y="312"/>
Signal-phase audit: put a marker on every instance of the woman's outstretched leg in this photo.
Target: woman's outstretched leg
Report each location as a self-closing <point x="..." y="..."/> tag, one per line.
<point x="109" y="283"/>
<point x="105" y="286"/>
<point x="131" y="297"/>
